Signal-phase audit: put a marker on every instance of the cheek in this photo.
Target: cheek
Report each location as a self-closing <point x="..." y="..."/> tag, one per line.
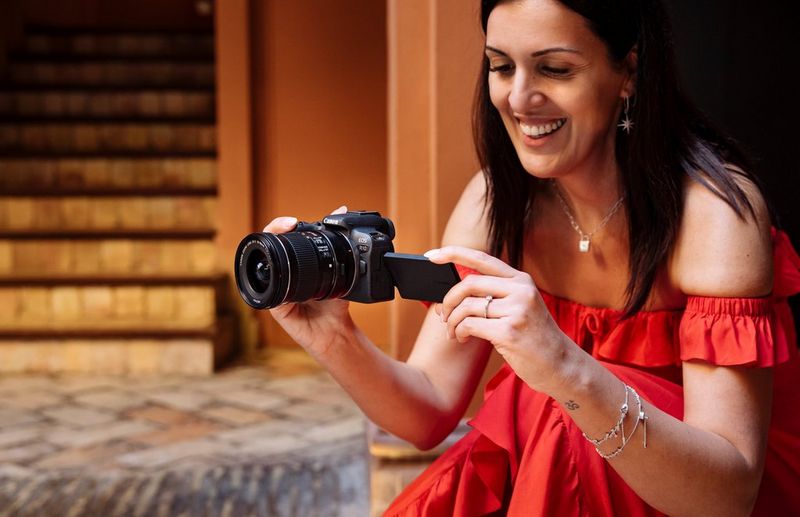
<point x="594" y="109"/>
<point x="606" y="100"/>
<point x="498" y="94"/>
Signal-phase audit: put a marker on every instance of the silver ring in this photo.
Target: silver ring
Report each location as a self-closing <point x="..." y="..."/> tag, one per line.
<point x="489" y="299"/>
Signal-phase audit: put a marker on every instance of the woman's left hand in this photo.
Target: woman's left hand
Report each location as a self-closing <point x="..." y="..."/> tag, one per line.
<point x="515" y="320"/>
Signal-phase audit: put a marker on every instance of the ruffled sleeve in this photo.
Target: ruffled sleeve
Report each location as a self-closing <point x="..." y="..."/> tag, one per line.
<point x="745" y="331"/>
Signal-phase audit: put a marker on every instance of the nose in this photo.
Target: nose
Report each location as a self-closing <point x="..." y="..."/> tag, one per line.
<point x="525" y="94"/>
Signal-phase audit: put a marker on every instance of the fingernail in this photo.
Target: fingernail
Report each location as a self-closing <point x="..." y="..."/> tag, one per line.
<point x="288" y="221"/>
<point x="431" y="253"/>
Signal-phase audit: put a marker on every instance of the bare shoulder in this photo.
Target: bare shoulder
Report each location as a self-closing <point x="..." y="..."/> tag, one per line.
<point x="719" y="253"/>
<point x="468" y="224"/>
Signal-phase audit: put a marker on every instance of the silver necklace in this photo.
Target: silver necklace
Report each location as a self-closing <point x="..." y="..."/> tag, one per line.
<point x="585" y="238"/>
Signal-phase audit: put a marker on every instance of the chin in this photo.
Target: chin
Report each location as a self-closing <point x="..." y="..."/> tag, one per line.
<point x="539" y="170"/>
<point x="538" y="165"/>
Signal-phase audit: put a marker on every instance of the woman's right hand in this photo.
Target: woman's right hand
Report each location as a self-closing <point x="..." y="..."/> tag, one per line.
<point x="313" y="324"/>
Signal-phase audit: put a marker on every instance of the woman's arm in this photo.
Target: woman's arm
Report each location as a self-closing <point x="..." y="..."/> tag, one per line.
<point x="726" y="410"/>
<point x="419" y="401"/>
<point x="422" y="400"/>
<point x="710" y="463"/>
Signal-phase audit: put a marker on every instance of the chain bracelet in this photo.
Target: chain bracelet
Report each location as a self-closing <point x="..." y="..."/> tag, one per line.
<point x="641" y="417"/>
<point x="619" y="427"/>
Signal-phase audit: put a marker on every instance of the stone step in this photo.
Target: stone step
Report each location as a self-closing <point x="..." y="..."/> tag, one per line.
<point x="115" y="214"/>
<point x="58" y="333"/>
<point x="142" y="73"/>
<point x="61" y="154"/>
<point x="111" y="355"/>
<point x="89" y="308"/>
<point x="138" y="260"/>
<point x="63" y="57"/>
<point x="86" y="104"/>
<point x="78" y="43"/>
<point x="112" y="137"/>
<point x="100" y="88"/>
<point x="46" y="278"/>
<point x="119" y="351"/>
<point x="33" y="191"/>
<point x="180" y="234"/>
<point x="99" y="173"/>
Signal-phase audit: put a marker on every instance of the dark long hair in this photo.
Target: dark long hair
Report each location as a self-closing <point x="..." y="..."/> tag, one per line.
<point x="672" y="139"/>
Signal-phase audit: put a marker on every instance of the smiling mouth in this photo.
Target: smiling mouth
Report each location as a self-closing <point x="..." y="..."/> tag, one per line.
<point x="541" y="130"/>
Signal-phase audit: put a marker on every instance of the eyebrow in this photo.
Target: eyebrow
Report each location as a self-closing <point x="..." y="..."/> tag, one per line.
<point x="539" y="53"/>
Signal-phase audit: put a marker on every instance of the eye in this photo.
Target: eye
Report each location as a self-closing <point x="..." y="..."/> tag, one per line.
<point x="502" y="69"/>
<point x="555" y="71"/>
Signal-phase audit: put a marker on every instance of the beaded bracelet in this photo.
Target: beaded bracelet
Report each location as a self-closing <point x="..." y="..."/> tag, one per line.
<point x="619" y="428"/>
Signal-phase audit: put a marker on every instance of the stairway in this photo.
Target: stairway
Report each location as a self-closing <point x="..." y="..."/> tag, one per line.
<point x="107" y="205"/>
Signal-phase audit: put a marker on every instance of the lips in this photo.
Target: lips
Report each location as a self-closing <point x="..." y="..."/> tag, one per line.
<point x="542" y="130"/>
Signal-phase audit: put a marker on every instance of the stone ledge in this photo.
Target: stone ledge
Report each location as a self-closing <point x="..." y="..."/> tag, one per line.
<point x="336" y="484"/>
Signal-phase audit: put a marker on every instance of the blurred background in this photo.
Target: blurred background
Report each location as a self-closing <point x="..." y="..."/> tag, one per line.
<point x="140" y="140"/>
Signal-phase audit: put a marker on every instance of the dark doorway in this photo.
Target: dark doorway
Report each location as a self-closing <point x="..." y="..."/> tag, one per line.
<point x="738" y="62"/>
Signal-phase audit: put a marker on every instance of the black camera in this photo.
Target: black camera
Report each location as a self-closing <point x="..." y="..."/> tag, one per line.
<point x="338" y="257"/>
<point x="348" y="256"/>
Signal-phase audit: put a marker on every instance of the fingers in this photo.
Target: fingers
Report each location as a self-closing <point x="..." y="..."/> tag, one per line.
<point x="477" y="299"/>
<point x="472" y="308"/>
<point x="474" y="286"/>
<point x="281" y="225"/>
<point x="287" y="224"/>
<point x="474" y="259"/>
<point x="478" y="327"/>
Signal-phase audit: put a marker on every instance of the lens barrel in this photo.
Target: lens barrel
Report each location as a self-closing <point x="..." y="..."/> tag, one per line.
<point x="272" y="269"/>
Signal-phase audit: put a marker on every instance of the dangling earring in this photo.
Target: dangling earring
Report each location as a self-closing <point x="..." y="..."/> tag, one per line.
<point x="627" y="123"/>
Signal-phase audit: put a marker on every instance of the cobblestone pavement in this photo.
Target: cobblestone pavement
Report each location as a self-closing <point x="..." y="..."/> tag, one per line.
<point x="282" y="439"/>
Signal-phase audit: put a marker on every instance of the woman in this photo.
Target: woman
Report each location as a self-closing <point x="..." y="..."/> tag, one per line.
<point x="626" y="226"/>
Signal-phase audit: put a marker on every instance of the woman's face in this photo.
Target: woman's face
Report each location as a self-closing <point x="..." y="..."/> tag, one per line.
<point x="554" y="86"/>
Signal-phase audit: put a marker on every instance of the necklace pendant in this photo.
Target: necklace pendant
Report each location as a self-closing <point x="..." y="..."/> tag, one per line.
<point x="583" y="245"/>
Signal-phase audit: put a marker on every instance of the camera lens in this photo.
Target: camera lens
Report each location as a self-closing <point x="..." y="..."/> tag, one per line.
<point x="258" y="271"/>
<point x="272" y="269"/>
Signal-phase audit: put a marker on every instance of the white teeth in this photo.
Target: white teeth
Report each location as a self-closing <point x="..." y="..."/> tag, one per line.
<point x="541" y="130"/>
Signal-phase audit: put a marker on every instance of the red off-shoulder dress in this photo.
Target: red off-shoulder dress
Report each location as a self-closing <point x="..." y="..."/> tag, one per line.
<point x="525" y="456"/>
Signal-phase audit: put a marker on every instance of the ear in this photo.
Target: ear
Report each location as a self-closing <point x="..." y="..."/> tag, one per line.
<point x="630" y="66"/>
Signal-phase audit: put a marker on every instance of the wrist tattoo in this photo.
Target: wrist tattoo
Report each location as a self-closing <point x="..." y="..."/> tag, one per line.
<point x="571" y="405"/>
